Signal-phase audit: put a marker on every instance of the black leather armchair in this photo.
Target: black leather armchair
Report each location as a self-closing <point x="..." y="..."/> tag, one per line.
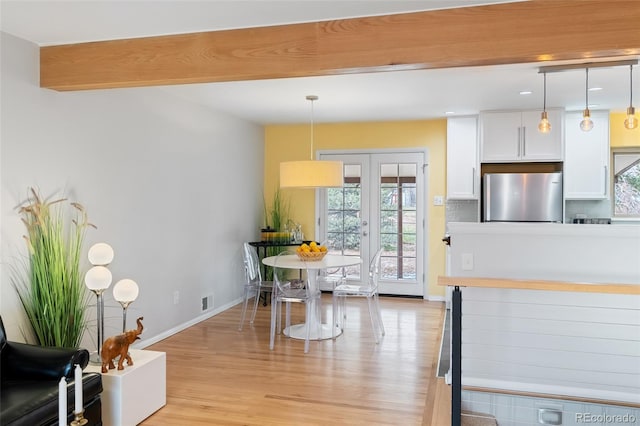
<point x="29" y="377"/>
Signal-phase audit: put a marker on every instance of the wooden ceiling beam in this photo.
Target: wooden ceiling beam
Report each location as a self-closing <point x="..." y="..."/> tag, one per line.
<point x="532" y="31"/>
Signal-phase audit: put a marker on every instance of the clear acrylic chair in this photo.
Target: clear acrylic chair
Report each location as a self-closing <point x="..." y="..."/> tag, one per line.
<point x="254" y="286"/>
<point x="369" y="290"/>
<point x="292" y="292"/>
<point x="328" y="279"/>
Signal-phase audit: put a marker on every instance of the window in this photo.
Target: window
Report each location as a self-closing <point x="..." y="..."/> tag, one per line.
<point x="626" y="183"/>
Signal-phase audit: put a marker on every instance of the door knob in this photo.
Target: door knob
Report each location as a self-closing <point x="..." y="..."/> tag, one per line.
<point x="365" y="223"/>
<point x="365" y="233"/>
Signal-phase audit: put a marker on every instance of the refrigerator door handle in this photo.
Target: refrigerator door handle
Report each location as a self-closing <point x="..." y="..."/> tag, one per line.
<point x="473" y="181"/>
<point x="487" y="191"/>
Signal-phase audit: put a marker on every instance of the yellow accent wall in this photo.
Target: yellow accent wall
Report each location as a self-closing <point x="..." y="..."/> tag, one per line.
<point x="618" y="135"/>
<point x="292" y="142"/>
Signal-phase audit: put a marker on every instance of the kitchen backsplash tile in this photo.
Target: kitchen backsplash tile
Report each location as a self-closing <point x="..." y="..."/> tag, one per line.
<point x="589" y="208"/>
<point x="462" y="211"/>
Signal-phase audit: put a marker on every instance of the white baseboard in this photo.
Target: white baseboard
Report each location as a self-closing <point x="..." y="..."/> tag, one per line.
<point x="155" y="339"/>
<point x="436" y="299"/>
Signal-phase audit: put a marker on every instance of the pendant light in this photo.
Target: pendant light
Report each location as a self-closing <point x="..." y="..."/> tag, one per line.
<point x="631" y="122"/>
<point x="586" y="124"/>
<point x="311" y="173"/>
<point x="544" y="126"/>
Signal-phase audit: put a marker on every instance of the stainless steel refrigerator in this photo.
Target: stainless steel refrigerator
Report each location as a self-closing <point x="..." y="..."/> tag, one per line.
<point x="522" y="197"/>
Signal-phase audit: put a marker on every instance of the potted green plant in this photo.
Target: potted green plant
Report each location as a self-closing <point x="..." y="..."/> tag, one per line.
<point x="276" y="218"/>
<point x="49" y="279"/>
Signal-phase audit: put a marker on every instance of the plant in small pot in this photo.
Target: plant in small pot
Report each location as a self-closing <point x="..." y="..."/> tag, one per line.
<point x="49" y="280"/>
<point x="276" y="219"/>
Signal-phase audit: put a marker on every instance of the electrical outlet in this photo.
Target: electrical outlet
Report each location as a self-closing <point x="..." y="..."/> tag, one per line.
<point x="467" y="261"/>
<point x="176" y="297"/>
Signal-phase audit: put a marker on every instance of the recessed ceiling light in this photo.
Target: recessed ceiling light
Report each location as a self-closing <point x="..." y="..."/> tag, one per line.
<point x="449" y="112"/>
<point x="526" y="92"/>
<point x="594" y="105"/>
<point x="595" y="89"/>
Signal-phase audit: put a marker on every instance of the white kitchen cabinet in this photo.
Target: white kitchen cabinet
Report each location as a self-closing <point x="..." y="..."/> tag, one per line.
<point x="462" y="158"/>
<point x="586" y="165"/>
<point x="513" y="136"/>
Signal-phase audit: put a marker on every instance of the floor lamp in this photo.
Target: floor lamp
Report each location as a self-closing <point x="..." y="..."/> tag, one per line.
<point x="98" y="279"/>
<point x="125" y="292"/>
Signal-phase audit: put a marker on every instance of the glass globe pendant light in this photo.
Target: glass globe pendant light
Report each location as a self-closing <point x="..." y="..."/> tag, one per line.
<point x="586" y="124"/>
<point x="544" y="126"/>
<point x="631" y="122"/>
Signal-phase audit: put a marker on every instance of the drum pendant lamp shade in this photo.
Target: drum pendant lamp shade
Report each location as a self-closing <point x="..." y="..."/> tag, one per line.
<point x="311" y="174"/>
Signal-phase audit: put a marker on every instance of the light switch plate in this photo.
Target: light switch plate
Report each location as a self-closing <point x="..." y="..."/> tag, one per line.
<point x="438" y="200"/>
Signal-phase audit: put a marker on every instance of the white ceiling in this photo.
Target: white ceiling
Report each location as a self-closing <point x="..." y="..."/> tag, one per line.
<point x="398" y="95"/>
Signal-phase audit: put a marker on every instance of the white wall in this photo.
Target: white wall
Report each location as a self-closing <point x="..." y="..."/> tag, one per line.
<point x="172" y="186"/>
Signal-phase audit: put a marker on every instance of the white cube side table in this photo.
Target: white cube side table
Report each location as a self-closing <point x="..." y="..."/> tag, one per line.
<point x="131" y="395"/>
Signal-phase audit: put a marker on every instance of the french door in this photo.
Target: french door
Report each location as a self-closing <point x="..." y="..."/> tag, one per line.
<point x="381" y="205"/>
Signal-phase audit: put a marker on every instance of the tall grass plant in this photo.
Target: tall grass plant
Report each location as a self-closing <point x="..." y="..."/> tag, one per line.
<point x="49" y="280"/>
<point x="276" y="218"/>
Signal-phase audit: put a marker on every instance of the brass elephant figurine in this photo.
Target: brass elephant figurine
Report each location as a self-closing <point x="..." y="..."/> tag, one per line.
<point x="119" y="345"/>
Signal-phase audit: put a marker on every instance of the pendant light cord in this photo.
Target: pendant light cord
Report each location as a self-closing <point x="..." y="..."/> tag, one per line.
<point x="544" y="97"/>
<point x="311" y="98"/>
<point x="630" y="86"/>
<point x="311" y="153"/>
<point x="586" y="89"/>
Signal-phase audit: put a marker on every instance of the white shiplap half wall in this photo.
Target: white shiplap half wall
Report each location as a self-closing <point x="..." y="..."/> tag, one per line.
<point x="544" y="342"/>
<point x="174" y="187"/>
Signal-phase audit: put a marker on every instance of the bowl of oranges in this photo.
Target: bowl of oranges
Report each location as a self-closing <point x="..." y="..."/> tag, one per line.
<point x="311" y="251"/>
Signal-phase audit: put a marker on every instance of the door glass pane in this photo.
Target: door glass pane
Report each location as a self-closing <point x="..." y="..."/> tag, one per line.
<point x="344" y="219"/>
<point x="335" y="220"/>
<point x="398" y="220"/>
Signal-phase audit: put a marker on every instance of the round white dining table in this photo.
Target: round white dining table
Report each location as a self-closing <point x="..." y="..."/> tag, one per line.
<point x="330" y="261"/>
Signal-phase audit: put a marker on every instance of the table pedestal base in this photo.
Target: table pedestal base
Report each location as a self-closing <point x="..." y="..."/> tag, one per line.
<point x="298" y="331"/>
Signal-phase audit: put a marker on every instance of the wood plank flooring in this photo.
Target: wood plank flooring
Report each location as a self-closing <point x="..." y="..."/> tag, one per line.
<point x="217" y="375"/>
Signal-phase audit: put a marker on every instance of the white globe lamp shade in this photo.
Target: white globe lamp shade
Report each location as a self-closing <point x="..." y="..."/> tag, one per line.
<point x="98" y="278"/>
<point x="100" y="254"/>
<point x="125" y="290"/>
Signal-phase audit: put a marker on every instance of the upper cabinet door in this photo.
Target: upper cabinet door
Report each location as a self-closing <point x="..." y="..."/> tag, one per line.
<point x="586" y="165"/>
<point x="514" y="136"/>
<point x="500" y="136"/>
<point x="538" y="146"/>
<point x="462" y="158"/>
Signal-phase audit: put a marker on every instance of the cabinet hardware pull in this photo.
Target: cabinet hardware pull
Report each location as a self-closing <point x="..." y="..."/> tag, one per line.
<point x="524" y="141"/>
<point x="473" y="181"/>
<point x="519" y="141"/>
<point x="606" y="176"/>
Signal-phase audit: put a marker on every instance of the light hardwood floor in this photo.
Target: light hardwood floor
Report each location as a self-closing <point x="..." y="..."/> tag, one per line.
<point x="217" y="375"/>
